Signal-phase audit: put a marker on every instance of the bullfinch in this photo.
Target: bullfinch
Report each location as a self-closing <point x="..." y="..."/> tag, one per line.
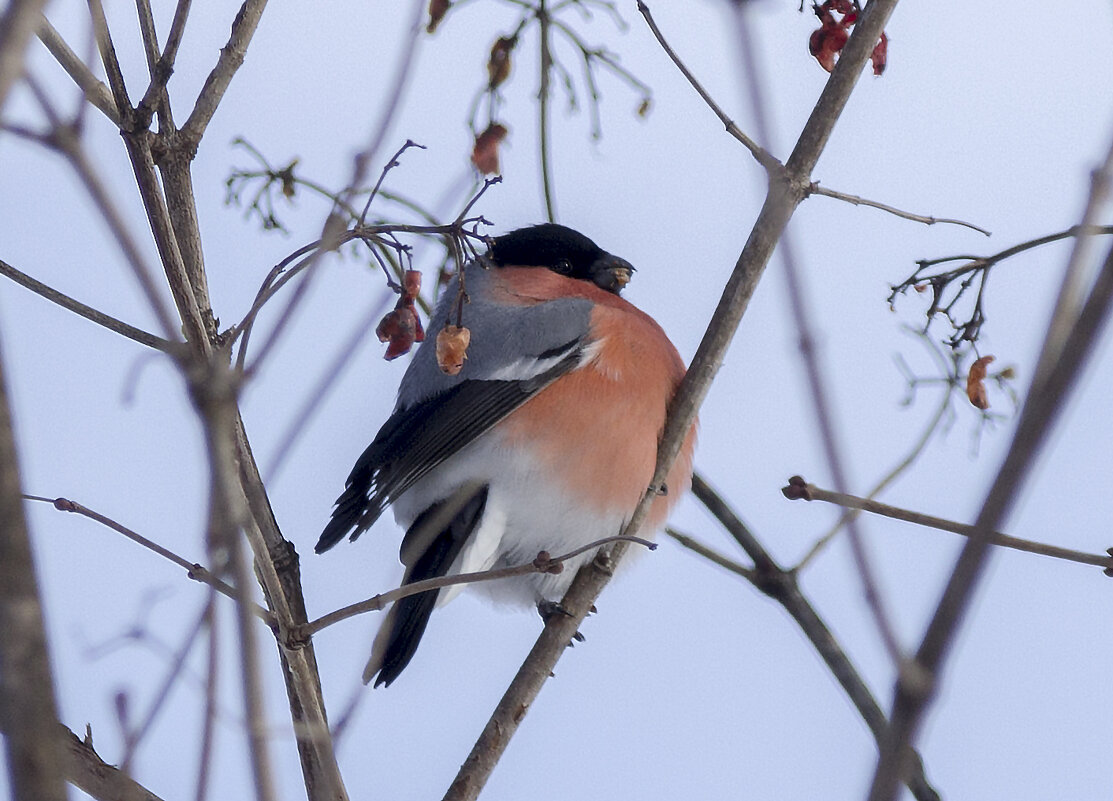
<point x="544" y="440"/>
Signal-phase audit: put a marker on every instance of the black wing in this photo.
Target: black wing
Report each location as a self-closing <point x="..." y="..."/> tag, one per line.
<point x="421" y="436"/>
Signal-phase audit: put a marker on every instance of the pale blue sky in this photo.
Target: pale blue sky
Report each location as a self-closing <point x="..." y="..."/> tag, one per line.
<point x="690" y="683"/>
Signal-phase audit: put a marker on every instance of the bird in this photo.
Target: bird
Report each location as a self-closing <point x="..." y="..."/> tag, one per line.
<point x="544" y="440"/>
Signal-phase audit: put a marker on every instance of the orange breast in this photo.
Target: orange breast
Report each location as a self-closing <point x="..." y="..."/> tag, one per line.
<point x="603" y="420"/>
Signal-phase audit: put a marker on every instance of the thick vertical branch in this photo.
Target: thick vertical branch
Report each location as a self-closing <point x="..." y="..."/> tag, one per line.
<point x="28" y="714"/>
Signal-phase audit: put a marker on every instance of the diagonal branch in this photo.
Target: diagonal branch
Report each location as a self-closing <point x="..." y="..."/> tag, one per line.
<point x="96" y="92"/>
<point x="782" y="585"/>
<point x="88" y="312"/>
<point x="231" y="57"/>
<point x="783" y="196"/>
<point x="917" y="680"/>
<point x="16" y="27"/>
<point x="763" y="156"/>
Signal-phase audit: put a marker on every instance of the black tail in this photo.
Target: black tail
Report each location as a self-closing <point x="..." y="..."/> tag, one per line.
<point x="435" y="539"/>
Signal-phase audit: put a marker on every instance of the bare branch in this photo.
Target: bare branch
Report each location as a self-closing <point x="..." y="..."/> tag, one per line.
<point x="909" y="458"/>
<point x="193" y="570"/>
<point x="92" y="775"/>
<point x="917" y="679"/>
<point x="798" y="489"/>
<point x="111" y="63"/>
<point x="546" y="58"/>
<point x="65" y="140"/>
<point x="783" y="587"/>
<point x="231" y="57"/>
<point x="88" y="312"/>
<point x="16" y="27"/>
<point x="96" y="92"/>
<point x="542" y="564"/>
<point x="760" y="154"/>
<point x="816" y="189"/>
<point x="802" y="318"/>
<point x="713" y="556"/>
<point x="27" y="707"/>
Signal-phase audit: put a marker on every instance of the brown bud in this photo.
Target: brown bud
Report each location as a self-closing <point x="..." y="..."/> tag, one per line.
<point x="498" y="65"/>
<point x="437" y="10"/>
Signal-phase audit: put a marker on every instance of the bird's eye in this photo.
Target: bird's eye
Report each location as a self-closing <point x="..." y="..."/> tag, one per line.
<point x="564" y="267"/>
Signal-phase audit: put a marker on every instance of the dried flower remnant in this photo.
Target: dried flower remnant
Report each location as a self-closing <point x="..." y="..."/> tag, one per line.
<point x="401" y="327"/>
<point x="485" y="154"/>
<point x="498" y="65"/>
<point x="975" y="383"/>
<point x="452" y="348"/>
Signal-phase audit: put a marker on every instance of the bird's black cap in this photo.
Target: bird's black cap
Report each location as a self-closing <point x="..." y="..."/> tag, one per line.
<point x="562" y="250"/>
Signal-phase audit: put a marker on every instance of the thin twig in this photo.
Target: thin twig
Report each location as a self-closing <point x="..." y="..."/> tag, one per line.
<point x="542" y="564"/>
<point x="760" y="154"/>
<point x="95" y="90"/>
<point x="816" y="189"/>
<point x="713" y="556"/>
<point x="231" y="57"/>
<point x="546" y="58"/>
<point x="134" y="737"/>
<point x="193" y="570"/>
<point x="208" y="721"/>
<point x="65" y="141"/>
<point x="382" y="177"/>
<point x="17" y="26"/>
<point x="909" y="458"/>
<point x="88" y="312"/>
<point x="798" y="489"/>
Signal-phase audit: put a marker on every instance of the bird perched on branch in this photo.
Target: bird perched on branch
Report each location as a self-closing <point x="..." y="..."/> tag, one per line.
<point x="542" y="436"/>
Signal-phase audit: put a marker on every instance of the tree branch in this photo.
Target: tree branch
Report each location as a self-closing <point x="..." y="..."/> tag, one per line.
<point x="816" y="189"/>
<point x="16" y="27"/>
<point x="917" y="679"/>
<point x="783" y="196"/>
<point x="798" y="489"/>
<point x="231" y="58"/>
<point x="27" y="707"/>
<point x="88" y="312"/>
<point x="96" y="92"/>
<point x="782" y="585"/>
<point x="193" y="570"/>
<point x="760" y="154"/>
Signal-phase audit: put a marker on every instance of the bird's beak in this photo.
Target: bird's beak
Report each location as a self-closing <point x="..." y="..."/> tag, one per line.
<point x="612" y="273"/>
